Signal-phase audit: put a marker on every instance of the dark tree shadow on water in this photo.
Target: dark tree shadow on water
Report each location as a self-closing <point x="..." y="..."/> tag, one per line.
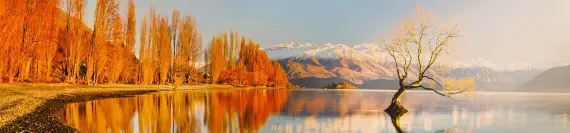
<point x="395" y="117"/>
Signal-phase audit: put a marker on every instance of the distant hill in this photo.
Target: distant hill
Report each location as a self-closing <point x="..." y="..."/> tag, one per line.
<point x="520" y="77"/>
<point x="552" y="80"/>
<point x="486" y="78"/>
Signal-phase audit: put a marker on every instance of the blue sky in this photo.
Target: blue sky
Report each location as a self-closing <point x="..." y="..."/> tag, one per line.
<point x="500" y="31"/>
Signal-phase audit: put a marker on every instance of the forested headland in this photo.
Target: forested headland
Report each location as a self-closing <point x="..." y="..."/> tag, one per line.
<point x="48" y="41"/>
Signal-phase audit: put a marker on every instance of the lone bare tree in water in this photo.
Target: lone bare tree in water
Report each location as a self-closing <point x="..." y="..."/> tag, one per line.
<point x="415" y="47"/>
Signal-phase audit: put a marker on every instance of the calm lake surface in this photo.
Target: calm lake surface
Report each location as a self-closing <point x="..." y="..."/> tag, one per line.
<point x="325" y="111"/>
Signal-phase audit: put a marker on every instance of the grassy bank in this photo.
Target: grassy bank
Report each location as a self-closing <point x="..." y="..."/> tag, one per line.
<point x="28" y="107"/>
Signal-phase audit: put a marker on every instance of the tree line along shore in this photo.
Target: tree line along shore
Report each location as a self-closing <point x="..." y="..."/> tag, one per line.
<point x="47" y="41"/>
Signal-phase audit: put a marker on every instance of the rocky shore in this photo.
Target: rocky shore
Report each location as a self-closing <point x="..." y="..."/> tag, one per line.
<point x="30" y="107"/>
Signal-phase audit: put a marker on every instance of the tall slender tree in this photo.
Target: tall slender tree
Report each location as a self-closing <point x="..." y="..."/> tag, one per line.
<point x="130" y="41"/>
<point x="155" y="44"/>
<point x="164" y="50"/>
<point x="23" y="25"/>
<point x="104" y="14"/>
<point x="117" y="51"/>
<point x="145" y="54"/>
<point x="186" y="42"/>
<point x="131" y="28"/>
<point x="74" y="36"/>
<point x="191" y="41"/>
<point x="44" y="41"/>
<point x="12" y="21"/>
<point x="174" y="30"/>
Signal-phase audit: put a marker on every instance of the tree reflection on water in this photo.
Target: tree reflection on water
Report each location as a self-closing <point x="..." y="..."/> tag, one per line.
<point x="317" y="111"/>
<point x="190" y="111"/>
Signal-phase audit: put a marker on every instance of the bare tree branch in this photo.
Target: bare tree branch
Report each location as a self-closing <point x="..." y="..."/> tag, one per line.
<point x="411" y="45"/>
<point x="445" y="95"/>
<point x="434" y="81"/>
<point x="392" y="54"/>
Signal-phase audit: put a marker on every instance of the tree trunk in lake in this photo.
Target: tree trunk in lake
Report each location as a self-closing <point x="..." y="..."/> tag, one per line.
<point x="395" y="105"/>
<point x="395" y="117"/>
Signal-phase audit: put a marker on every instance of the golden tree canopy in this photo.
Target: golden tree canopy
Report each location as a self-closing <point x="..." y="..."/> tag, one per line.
<point x="415" y="47"/>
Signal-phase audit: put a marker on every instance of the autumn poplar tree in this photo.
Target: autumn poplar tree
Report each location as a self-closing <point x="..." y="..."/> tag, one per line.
<point x="164" y="50"/>
<point x="242" y="69"/>
<point x="188" y="42"/>
<point x="145" y="55"/>
<point x="42" y="40"/>
<point x="12" y="23"/>
<point x="155" y="45"/>
<point x="28" y="30"/>
<point x="74" y="38"/>
<point x="207" y="66"/>
<point x="3" y="37"/>
<point x="175" y="23"/>
<point x="97" y="61"/>
<point x="130" y="43"/>
<point x="280" y="76"/>
<point x="253" y="64"/>
<point x="117" y="57"/>
<point x="218" y="59"/>
<point x="193" y="40"/>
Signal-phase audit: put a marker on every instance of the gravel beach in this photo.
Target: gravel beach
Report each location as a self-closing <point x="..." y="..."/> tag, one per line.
<point x="30" y="107"/>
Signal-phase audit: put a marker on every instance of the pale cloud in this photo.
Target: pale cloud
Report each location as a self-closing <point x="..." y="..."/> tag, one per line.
<point x="516" y="32"/>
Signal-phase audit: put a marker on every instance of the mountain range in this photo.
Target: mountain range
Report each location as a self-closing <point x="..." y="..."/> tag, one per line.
<point x="369" y="67"/>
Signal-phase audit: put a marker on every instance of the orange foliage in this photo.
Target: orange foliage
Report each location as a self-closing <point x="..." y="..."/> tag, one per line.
<point x="116" y="52"/>
<point x="188" y="47"/>
<point x="74" y="35"/>
<point x="164" y="50"/>
<point x="130" y="31"/>
<point x="145" y="55"/>
<point x="253" y="67"/>
<point x="35" y="32"/>
<point x="97" y="62"/>
<point x="131" y="28"/>
<point x="28" y="34"/>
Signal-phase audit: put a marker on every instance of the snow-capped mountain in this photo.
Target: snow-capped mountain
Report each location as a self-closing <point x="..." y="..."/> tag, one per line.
<point x="319" y="65"/>
<point x="356" y="64"/>
<point x="327" y="50"/>
<point x="511" y="67"/>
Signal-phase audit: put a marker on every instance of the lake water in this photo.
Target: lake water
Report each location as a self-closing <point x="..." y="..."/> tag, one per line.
<point x="323" y="111"/>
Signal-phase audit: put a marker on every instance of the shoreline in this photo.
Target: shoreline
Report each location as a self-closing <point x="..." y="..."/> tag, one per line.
<point x="29" y="107"/>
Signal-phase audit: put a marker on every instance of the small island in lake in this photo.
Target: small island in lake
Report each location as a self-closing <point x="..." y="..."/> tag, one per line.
<point x="341" y="85"/>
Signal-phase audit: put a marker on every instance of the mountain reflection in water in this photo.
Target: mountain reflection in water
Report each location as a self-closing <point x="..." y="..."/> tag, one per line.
<point x="271" y="110"/>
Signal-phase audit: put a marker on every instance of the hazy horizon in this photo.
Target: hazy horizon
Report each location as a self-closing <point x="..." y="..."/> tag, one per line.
<point x="515" y="33"/>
